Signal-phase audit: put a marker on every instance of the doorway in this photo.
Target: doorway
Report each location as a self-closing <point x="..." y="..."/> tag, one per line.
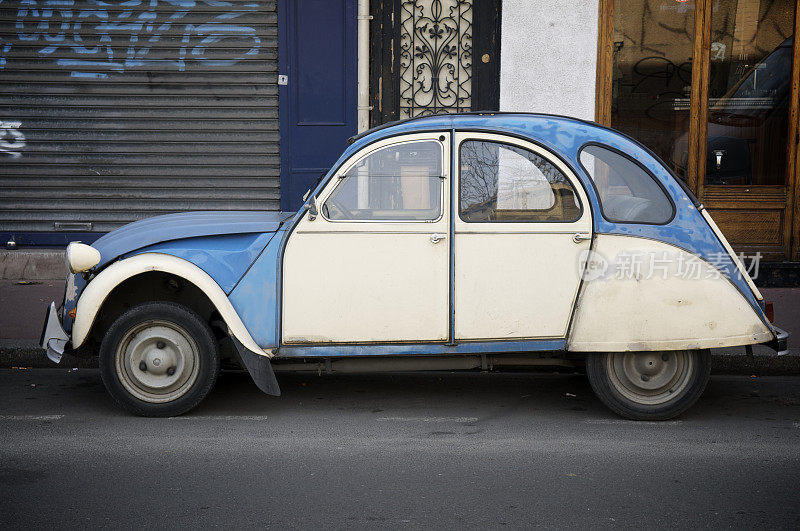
<point x="712" y="87"/>
<point x="316" y="90"/>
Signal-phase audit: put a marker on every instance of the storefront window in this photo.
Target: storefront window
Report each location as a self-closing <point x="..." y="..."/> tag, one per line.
<point x="652" y="76"/>
<point x="749" y="87"/>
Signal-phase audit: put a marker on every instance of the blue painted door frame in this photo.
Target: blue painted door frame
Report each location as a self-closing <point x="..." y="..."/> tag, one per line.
<point x="318" y="104"/>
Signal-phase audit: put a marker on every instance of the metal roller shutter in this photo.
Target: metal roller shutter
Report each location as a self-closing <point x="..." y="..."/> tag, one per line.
<point x="115" y="111"/>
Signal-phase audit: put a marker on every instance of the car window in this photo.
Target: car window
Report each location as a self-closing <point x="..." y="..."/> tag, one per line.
<point x="504" y="183"/>
<point x="400" y="182"/>
<point x="628" y="193"/>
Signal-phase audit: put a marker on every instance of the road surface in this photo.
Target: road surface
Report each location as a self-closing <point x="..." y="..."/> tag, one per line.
<point x="431" y="450"/>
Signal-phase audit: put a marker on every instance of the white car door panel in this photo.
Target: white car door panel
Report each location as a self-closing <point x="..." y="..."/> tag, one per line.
<point x="373" y="266"/>
<point x="517" y="263"/>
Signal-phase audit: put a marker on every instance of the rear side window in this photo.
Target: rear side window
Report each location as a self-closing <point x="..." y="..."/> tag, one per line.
<point x="628" y="193"/>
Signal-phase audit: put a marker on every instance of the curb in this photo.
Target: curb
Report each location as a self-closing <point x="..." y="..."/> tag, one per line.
<point x="26" y="353"/>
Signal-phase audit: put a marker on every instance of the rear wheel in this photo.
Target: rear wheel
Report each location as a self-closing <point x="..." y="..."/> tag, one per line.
<point x="649" y="385"/>
<point x="159" y="359"/>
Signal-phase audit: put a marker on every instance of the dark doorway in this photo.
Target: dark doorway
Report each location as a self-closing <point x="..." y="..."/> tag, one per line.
<point x="433" y="57"/>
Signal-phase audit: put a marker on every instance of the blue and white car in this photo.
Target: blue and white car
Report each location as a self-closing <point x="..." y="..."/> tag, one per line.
<point x="473" y="241"/>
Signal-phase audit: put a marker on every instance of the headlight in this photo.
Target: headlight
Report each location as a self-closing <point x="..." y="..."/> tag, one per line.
<point x="81" y="257"/>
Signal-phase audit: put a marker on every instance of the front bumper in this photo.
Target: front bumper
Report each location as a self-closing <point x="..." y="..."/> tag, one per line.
<point x="54" y="339"/>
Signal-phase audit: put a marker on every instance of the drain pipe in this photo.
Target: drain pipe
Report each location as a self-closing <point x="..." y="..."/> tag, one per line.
<point x="363" y="65"/>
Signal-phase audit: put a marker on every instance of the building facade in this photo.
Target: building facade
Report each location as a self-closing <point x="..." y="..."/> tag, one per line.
<point x="115" y="111"/>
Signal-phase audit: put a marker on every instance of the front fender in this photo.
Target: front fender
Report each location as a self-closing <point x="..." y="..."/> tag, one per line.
<point x="96" y="292"/>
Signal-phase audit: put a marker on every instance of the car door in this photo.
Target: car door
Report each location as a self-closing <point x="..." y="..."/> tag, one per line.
<point x="373" y="265"/>
<point x="522" y="228"/>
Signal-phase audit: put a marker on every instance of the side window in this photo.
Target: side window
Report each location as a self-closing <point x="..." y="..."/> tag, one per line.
<point x="504" y="183"/>
<point x="628" y="193"/>
<point x="401" y="182"/>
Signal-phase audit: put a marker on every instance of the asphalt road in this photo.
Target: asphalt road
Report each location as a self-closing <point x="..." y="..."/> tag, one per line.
<point x="397" y="451"/>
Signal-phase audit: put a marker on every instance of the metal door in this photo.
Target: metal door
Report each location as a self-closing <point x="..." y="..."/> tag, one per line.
<point x="373" y="265"/>
<point x="522" y="230"/>
<point x="317" y="90"/>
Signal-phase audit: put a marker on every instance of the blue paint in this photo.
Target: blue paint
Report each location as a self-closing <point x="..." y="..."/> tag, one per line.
<point x="317" y="51"/>
<point x="224" y="258"/>
<point x="171" y="227"/>
<point x="421" y="349"/>
<point x="451" y="303"/>
<point x="95" y="75"/>
<point x="255" y="297"/>
<point x="71" y="299"/>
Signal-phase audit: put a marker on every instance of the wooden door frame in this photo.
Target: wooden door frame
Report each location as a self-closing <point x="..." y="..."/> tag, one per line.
<point x="698" y="117"/>
<point x="384" y="58"/>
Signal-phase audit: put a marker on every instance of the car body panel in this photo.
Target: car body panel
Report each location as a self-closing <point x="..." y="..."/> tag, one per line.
<point x="663" y="304"/>
<point x="369" y="281"/>
<point x="170" y="227"/>
<point x="421" y="349"/>
<point x="531" y="291"/>
<point x="255" y="298"/>
<point x="101" y="286"/>
<point x="225" y="258"/>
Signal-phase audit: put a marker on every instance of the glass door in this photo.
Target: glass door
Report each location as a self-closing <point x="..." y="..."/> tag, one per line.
<point x="711" y="86"/>
<point x="748" y="123"/>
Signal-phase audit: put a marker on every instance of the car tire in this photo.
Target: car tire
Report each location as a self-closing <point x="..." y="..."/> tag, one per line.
<point x="649" y="385"/>
<point x="159" y="359"/>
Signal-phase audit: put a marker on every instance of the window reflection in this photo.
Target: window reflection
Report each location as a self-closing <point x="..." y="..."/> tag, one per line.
<point x="653" y="74"/>
<point x="749" y="87"/>
<point x="401" y="182"/>
<point x="504" y="183"/>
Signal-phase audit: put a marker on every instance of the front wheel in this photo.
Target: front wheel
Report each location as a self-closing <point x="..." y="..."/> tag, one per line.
<point x="159" y="359"/>
<point x="649" y="385"/>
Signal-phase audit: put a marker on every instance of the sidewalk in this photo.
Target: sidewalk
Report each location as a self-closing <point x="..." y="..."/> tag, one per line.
<point x="25" y="302"/>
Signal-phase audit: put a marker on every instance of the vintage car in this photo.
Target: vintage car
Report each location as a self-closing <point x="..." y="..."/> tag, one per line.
<point x="473" y="241"/>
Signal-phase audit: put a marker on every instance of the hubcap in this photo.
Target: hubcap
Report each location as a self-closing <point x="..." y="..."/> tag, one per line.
<point x="650" y="377"/>
<point x="157" y="361"/>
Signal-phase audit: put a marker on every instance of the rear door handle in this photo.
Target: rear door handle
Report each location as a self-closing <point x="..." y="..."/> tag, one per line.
<point x="436" y="238"/>
<point x="578" y="237"/>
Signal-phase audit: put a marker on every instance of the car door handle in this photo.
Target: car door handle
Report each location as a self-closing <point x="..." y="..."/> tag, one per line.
<point x="578" y="237"/>
<point x="436" y="238"/>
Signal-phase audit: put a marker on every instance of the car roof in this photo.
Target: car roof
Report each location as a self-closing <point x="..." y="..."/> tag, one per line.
<point x="473" y="119"/>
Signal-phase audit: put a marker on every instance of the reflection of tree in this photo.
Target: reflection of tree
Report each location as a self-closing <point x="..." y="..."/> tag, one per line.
<point x="479" y="161"/>
<point x="482" y="166"/>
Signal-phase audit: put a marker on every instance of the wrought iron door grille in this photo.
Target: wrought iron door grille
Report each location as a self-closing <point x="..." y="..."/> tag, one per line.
<point x="435" y="57"/>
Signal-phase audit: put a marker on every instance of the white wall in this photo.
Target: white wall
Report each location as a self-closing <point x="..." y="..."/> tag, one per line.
<point x="548" y="56"/>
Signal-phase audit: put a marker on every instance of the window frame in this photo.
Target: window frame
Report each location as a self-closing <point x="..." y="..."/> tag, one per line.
<point x="541" y="154"/>
<point x="643" y="168"/>
<point x="340" y="176"/>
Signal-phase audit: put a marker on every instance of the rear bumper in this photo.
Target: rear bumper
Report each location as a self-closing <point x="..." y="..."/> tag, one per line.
<point x="780" y="343"/>
<point x="54" y="339"/>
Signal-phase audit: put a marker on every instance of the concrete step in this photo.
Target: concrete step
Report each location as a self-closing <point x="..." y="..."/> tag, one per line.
<point x="32" y="264"/>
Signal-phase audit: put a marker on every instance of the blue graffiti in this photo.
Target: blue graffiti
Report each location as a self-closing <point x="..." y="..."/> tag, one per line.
<point x="95" y="31"/>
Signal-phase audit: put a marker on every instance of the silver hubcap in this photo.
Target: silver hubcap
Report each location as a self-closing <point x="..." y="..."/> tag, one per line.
<point x="650" y="377"/>
<point x="157" y="361"/>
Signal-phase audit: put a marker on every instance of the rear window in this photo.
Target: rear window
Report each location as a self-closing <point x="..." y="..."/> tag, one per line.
<point x="628" y="193"/>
